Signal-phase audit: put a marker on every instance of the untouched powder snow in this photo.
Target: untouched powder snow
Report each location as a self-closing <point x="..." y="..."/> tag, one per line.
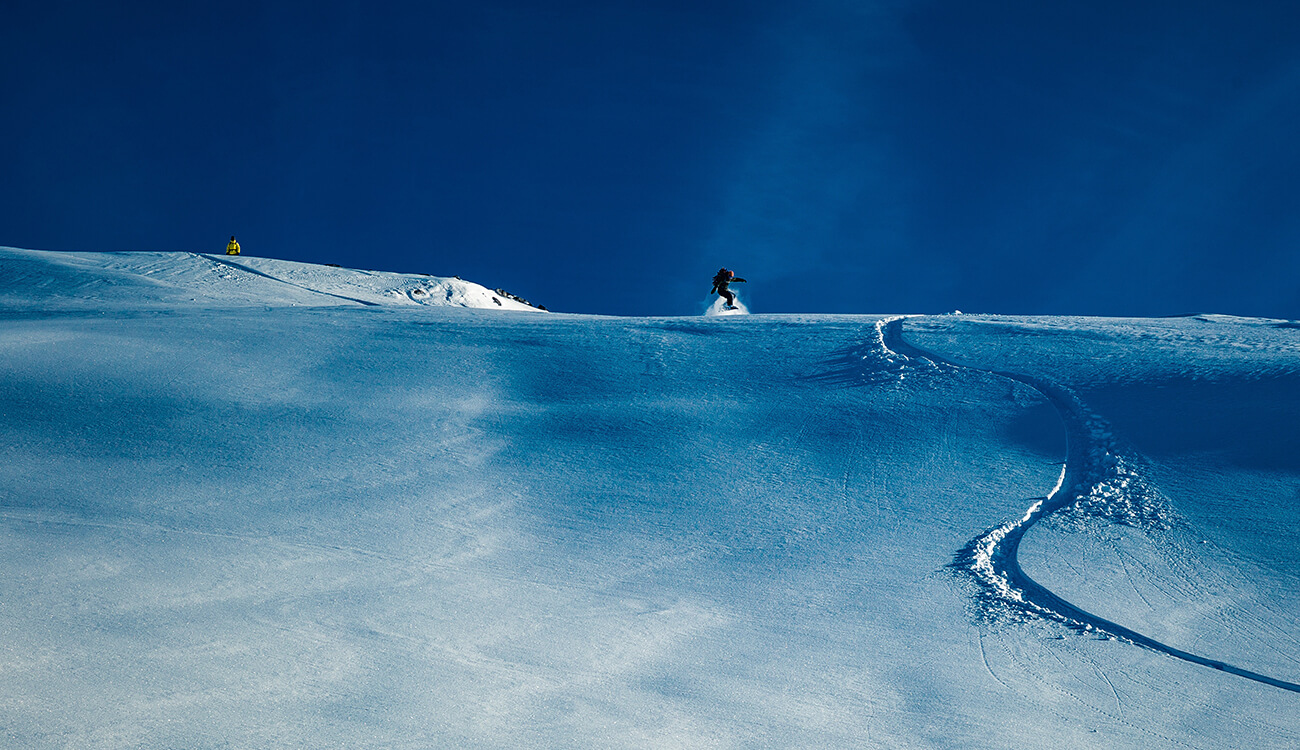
<point x="259" y="504"/>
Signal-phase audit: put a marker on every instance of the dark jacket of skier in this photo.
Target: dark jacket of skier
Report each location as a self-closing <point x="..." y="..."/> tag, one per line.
<point x="720" y="283"/>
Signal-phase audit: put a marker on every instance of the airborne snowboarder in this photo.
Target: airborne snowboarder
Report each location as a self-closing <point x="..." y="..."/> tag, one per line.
<point x="720" y="283"/>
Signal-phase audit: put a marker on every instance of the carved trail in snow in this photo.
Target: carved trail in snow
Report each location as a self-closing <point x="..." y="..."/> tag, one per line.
<point x="1095" y="473"/>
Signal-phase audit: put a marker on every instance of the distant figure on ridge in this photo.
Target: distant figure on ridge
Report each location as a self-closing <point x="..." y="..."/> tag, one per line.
<point x="720" y="283"/>
<point x="232" y="247"/>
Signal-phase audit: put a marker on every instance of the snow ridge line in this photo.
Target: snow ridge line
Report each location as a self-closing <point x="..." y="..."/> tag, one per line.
<point x="240" y="267"/>
<point x="1092" y="469"/>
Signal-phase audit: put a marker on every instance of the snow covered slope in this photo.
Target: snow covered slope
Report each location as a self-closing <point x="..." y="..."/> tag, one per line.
<point x="283" y="518"/>
<point x="99" y="280"/>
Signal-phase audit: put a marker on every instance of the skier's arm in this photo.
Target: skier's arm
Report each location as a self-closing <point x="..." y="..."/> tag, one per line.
<point x="740" y="280"/>
<point x="714" y="290"/>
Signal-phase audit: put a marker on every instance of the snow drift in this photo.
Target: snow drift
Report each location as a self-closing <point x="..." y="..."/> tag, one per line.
<point x="34" y="277"/>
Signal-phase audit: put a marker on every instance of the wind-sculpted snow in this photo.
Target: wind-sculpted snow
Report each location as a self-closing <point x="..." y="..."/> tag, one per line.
<point x="152" y="280"/>
<point x="1100" y="479"/>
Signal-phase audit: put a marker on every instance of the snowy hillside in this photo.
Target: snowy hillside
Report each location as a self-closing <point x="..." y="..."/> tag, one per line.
<point x="92" y="280"/>
<point x="251" y="503"/>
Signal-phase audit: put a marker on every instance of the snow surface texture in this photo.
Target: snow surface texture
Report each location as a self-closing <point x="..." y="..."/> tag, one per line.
<point x="1097" y="480"/>
<point x="257" y="511"/>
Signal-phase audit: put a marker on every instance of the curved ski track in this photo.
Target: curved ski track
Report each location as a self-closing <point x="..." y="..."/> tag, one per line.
<point x="993" y="557"/>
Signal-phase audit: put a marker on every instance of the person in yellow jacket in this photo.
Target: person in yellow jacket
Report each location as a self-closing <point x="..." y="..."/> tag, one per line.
<point x="232" y="248"/>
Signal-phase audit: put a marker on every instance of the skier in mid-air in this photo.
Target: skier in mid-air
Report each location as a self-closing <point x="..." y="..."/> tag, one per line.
<point x="720" y="283"/>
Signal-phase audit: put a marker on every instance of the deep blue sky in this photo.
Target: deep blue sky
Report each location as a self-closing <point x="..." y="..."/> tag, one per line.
<point x="1107" y="157"/>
